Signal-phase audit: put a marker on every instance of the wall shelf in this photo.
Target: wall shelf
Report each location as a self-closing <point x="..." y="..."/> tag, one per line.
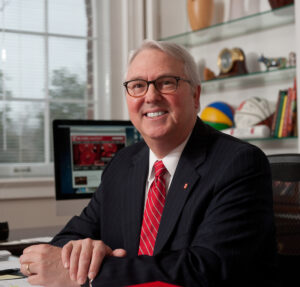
<point x="272" y="139"/>
<point x="249" y="80"/>
<point x="241" y="26"/>
<point x="268" y="81"/>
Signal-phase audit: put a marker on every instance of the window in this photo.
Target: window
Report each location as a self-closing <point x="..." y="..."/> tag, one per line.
<point x="46" y="72"/>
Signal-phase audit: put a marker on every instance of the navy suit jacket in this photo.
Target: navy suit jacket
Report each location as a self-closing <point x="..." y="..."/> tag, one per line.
<point x="217" y="226"/>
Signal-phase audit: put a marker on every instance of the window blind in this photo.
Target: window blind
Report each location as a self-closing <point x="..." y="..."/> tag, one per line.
<point x="46" y="72"/>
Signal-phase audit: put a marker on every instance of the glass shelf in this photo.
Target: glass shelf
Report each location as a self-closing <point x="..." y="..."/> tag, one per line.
<point x="250" y="80"/>
<point x="271" y="139"/>
<point x="241" y="26"/>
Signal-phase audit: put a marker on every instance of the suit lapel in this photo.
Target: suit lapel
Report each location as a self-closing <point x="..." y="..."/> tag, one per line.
<point x="134" y="201"/>
<point x="185" y="177"/>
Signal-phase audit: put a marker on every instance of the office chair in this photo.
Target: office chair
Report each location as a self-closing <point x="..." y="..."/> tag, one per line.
<point x="285" y="169"/>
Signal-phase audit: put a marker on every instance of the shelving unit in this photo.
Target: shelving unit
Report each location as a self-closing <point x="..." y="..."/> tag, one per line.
<point x="250" y="80"/>
<point x="255" y="23"/>
<point x="272" y="139"/>
<point x="249" y="24"/>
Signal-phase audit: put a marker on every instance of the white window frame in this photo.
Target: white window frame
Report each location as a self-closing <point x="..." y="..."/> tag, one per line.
<point x="24" y="172"/>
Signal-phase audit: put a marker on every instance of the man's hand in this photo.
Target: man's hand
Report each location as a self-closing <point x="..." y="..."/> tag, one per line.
<point x="84" y="257"/>
<point x="43" y="266"/>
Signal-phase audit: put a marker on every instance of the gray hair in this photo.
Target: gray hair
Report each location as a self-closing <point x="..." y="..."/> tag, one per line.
<point x="174" y="50"/>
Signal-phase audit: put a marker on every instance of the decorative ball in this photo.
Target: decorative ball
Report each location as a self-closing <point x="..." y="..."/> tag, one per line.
<point x="253" y="111"/>
<point x="219" y="115"/>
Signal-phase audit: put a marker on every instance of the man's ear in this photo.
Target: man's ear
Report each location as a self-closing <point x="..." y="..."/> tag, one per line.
<point x="197" y="93"/>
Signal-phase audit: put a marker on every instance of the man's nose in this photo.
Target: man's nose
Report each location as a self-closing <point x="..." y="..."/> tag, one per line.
<point x="152" y="94"/>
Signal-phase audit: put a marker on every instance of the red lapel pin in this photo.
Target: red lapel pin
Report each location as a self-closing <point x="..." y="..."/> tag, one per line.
<point x="185" y="186"/>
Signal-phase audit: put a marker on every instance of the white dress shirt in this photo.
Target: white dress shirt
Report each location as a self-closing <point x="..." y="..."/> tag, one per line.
<point x="170" y="161"/>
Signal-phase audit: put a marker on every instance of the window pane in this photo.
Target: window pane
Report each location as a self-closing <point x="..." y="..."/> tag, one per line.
<point x="4" y="92"/>
<point x="26" y="15"/>
<point x="67" y="17"/>
<point x="66" y="111"/>
<point x="21" y="132"/>
<point x="24" y="67"/>
<point x="42" y="76"/>
<point x="67" y="68"/>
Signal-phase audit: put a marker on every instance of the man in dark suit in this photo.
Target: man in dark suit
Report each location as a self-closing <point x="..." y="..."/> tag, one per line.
<point x="215" y="226"/>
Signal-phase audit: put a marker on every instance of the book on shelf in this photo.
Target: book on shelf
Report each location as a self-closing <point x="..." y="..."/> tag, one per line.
<point x="291" y="118"/>
<point x="278" y="113"/>
<point x="285" y="115"/>
<point x="273" y="125"/>
<point x="282" y="115"/>
<point x="291" y="113"/>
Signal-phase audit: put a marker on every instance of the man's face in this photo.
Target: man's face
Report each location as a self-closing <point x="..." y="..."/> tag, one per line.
<point x="164" y="118"/>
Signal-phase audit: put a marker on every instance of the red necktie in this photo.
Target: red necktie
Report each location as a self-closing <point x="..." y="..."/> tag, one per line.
<point x="153" y="210"/>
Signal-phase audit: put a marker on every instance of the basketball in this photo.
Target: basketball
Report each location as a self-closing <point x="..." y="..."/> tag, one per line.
<point x="253" y="111"/>
<point x="219" y="115"/>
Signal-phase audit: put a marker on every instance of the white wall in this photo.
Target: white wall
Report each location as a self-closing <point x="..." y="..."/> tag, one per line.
<point x="123" y="32"/>
<point x="31" y="213"/>
<point x="30" y="210"/>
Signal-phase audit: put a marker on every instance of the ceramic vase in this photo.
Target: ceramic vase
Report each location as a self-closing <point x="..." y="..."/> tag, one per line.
<point x="200" y="13"/>
<point x="279" y="3"/>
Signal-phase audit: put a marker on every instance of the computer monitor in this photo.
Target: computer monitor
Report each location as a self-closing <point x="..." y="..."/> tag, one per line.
<point x="82" y="149"/>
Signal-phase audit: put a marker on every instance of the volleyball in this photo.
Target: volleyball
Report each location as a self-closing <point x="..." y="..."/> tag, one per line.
<point x="219" y="115"/>
<point x="253" y="111"/>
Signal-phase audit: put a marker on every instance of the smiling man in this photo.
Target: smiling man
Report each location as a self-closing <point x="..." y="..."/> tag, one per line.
<point x="162" y="102"/>
<point x="188" y="205"/>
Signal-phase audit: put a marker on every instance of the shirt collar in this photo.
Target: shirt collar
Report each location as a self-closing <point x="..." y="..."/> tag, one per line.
<point x="170" y="161"/>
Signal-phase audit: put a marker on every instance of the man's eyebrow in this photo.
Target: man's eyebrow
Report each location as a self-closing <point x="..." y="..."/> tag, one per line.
<point x="142" y="78"/>
<point x="136" y="78"/>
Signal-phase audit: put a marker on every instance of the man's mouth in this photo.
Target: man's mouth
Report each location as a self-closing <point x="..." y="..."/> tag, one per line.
<point x="155" y="114"/>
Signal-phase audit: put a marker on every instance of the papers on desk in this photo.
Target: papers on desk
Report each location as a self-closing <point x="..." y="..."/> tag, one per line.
<point x="16" y="283"/>
<point x="4" y="255"/>
<point x="10" y="276"/>
<point x="8" y="265"/>
<point x="13" y="279"/>
<point x="46" y="239"/>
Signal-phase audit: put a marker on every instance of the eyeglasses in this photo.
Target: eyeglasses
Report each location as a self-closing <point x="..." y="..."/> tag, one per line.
<point x="165" y="84"/>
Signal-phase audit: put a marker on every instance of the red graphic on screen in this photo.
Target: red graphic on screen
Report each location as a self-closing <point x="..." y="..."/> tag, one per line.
<point x="86" y="154"/>
<point x="93" y="152"/>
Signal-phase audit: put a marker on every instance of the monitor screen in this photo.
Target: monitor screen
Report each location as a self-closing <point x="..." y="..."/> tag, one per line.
<point x="82" y="149"/>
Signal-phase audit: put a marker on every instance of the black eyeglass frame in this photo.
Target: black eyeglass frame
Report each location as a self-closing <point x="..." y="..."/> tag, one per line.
<point x="154" y="83"/>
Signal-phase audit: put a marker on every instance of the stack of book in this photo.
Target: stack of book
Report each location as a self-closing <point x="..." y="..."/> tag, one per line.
<point x="285" y="116"/>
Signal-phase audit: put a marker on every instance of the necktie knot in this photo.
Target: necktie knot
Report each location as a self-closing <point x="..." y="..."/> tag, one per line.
<point x="159" y="168"/>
